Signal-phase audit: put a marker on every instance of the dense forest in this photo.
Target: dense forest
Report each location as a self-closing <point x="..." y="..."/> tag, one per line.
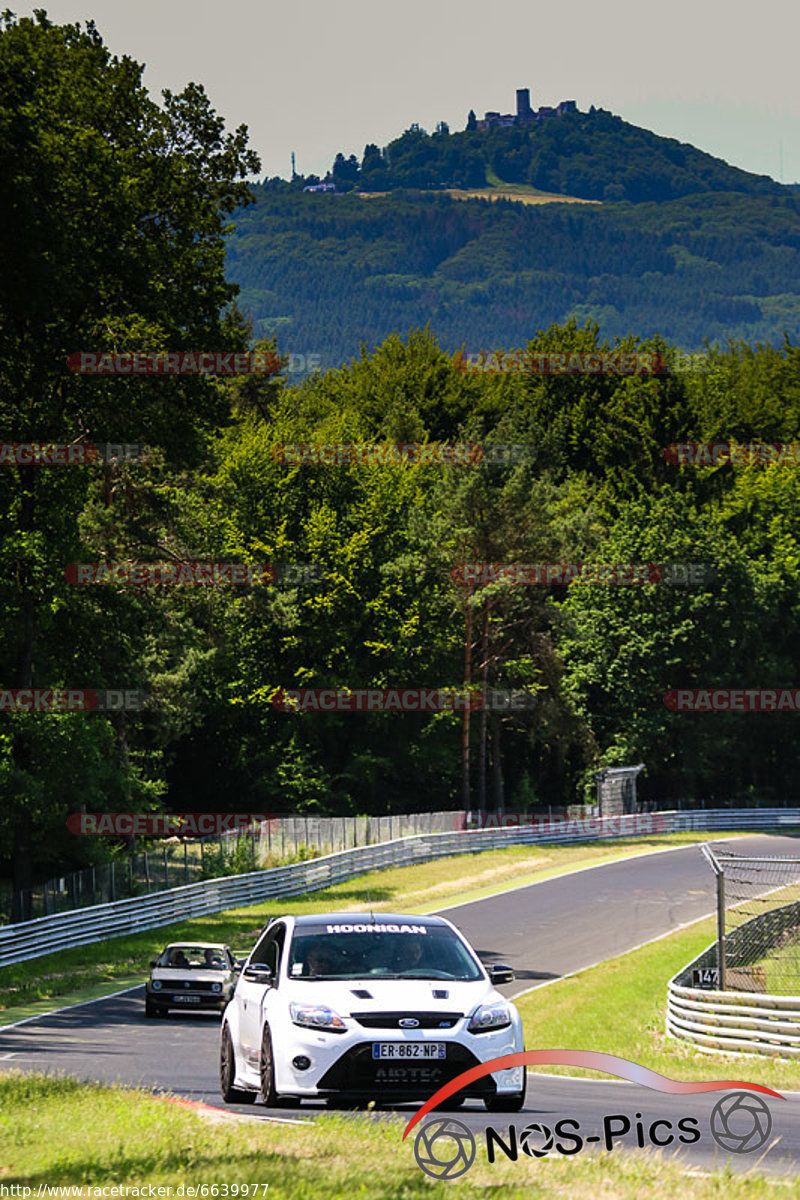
<point x="128" y="254"/>
<point x="327" y="273"/>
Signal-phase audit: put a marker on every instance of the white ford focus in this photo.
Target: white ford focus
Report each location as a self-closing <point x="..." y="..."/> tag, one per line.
<point x="362" y="1007"/>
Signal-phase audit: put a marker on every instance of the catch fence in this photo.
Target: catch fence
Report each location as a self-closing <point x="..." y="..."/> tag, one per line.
<point x="742" y="994"/>
<point x="174" y="862"/>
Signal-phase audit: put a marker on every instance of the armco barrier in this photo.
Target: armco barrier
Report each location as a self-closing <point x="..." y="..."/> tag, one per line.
<point x="744" y="1022"/>
<point x="31" y="939"/>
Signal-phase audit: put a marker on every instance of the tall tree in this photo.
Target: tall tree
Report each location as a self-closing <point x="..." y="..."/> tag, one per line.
<point x="112" y="223"/>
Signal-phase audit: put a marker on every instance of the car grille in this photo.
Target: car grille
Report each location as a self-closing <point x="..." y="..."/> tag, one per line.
<point x="391" y="1020"/>
<point x="187" y="985"/>
<point x="358" y="1073"/>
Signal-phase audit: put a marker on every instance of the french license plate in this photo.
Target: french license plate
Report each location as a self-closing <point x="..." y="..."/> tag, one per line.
<point x="183" y="999"/>
<point x="409" y="1049"/>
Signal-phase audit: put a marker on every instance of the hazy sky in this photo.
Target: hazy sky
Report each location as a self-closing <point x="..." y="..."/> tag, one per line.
<point x="317" y="77"/>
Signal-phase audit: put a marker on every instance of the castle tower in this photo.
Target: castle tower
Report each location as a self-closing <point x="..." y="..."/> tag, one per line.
<point x="523" y="103"/>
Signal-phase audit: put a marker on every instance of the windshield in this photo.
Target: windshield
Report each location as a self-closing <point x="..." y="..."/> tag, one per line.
<point x="366" y="951"/>
<point x="206" y="958"/>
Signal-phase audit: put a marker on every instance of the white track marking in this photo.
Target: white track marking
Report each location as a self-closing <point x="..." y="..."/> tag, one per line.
<point x="68" y="1008"/>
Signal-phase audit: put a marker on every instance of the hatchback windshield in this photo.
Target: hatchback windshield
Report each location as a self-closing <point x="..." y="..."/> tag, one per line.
<point x="362" y="951"/>
<point x="207" y="958"/>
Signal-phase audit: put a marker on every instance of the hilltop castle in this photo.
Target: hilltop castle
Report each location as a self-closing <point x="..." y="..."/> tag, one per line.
<point x="525" y="115"/>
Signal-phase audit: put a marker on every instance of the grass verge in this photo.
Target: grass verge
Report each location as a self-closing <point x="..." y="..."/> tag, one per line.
<point x="58" y="1132"/>
<point x="81" y="973"/>
<point x="619" y="1007"/>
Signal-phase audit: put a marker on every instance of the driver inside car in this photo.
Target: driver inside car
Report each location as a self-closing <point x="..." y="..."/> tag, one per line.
<point x="320" y="961"/>
<point x="409" y="955"/>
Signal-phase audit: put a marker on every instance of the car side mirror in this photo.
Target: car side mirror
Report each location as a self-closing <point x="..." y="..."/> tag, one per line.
<point x="153" y="962"/>
<point x="258" y="973"/>
<point x="501" y="973"/>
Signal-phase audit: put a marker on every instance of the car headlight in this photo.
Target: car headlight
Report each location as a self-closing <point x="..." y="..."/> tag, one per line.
<point x="216" y="987"/>
<point x="317" y="1016"/>
<point x="156" y="985"/>
<point x="489" y="1016"/>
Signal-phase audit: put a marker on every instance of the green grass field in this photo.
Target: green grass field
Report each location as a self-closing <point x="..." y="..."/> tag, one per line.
<point x="87" y="972"/>
<point x="59" y="1132"/>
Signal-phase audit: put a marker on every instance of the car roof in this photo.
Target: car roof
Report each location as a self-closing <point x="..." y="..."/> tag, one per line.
<point x="368" y="918"/>
<point x="196" y="946"/>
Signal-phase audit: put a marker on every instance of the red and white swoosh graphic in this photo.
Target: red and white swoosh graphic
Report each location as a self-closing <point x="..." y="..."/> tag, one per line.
<point x="594" y="1061"/>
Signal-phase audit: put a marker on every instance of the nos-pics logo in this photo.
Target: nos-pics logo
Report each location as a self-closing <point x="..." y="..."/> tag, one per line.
<point x="445" y="1148"/>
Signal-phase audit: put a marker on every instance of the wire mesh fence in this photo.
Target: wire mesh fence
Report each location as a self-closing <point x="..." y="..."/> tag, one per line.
<point x="173" y="862"/>
<point x="167" y="866"/>
<point x="758" y="923"/>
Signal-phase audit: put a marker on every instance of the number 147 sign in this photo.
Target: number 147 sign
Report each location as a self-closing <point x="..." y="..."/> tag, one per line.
<point x="705" y="977"/>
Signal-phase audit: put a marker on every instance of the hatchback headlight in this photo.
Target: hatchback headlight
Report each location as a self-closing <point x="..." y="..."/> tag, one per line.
<point x="216" y="987"/>
<point x="489" y="1016"/>
<point x="156" y="985"/>
<point x="317" y="1016"/>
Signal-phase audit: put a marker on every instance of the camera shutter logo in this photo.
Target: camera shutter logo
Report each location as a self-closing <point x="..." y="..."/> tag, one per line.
<point x="741" y="1122"/>
<point x="444" y="1148"/>
<point x="532" y="1135"/>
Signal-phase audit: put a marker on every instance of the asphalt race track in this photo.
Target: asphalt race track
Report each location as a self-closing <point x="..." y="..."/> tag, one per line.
<point x="544" y="931"/>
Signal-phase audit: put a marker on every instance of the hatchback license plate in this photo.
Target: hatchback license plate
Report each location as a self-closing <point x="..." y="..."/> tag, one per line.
<point x="409" y="1049"/>
<point x="179" y="999"/>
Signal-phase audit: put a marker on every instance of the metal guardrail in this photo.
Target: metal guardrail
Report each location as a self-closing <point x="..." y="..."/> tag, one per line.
<point x="32" y="939"/>
<point x="747" y="1022"/>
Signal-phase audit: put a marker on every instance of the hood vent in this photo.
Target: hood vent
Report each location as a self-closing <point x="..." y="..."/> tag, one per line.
<point x="440" y="994"/>
<point x="362" y="993"/>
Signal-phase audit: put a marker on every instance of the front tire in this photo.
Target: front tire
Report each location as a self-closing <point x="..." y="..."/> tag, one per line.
<point x="227" y="1073"/>
<point x="504" y="1104"/>
<point x="152" y="1010"/>
<point x="268" y="1094"/>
